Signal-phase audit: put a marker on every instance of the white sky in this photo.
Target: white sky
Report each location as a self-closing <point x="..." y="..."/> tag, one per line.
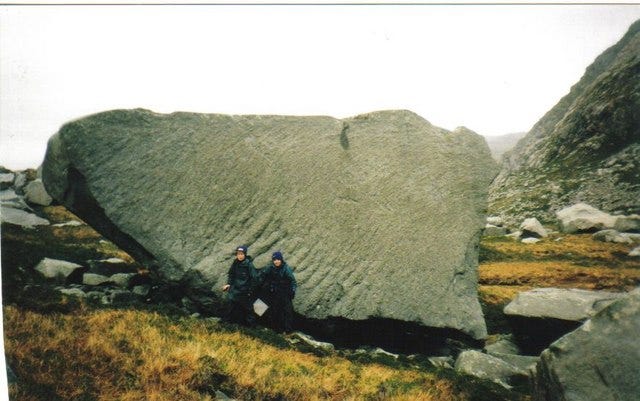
<point x="495" y="69"/>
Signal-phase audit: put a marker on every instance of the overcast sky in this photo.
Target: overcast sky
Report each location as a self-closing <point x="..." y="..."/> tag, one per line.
<point x="495" y="69"/>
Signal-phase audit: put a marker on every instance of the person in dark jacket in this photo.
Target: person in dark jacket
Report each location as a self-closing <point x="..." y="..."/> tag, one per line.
<point x="242" y="279"/>
<point x="278" y="288"/>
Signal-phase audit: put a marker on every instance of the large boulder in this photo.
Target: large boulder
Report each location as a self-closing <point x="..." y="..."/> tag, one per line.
<point x="380" y="214"/>
<point x="541" y="316"/>
<point x="600" y="361"/>
<point x="584" y="218"/>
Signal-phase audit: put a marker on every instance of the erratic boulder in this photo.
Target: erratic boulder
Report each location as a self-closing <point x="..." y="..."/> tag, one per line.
<point x="380" y="214"/>
<point x="584" y="218"/>
<point x="599" y="361"/>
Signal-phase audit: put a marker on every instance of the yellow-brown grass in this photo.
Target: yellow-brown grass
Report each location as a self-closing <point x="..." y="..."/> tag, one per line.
<point x="558" y="274"/>
<point x="581" y="248"/>
<point x="135" y="355"/>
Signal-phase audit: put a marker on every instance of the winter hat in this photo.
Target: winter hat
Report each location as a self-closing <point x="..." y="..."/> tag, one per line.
<point x="242" y="248"/>
<point x="277" y="255"/>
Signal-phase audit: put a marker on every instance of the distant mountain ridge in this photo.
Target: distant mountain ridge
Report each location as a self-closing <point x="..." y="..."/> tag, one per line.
<point x="500" y="144"/>
<point x="586" y="148"/>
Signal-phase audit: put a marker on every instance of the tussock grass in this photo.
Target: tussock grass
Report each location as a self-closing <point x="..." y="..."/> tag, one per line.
<point x="581" y="249"/>
<point x="136" y="355"/>
<point x="558" y="274"/>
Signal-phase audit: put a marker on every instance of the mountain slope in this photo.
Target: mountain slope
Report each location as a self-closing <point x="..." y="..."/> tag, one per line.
<point x="586" y="148"/>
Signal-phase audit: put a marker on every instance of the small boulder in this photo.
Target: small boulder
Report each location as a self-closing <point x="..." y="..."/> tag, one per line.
<point x="36" y="193"/>
<point x="446" y="362"/>
<point x="93" y="279"/>
<point x="503" y="345"/>
<point x="21" y="218"/>
<point x="599" y="361"/>
<point x="307" y="339"/>
<point x="75" y="292"/>
<point x="628" y="224"/>
<point x="532" y="228"/>
<point x="489" y="367"/>
<point x="530" y="240"/>
<point x="8" y="198"/>
<point x="6" y="180"/>
<point x="635" y="252"/>
<point x="523" y="362"/>
<point x="20" y="182"/>
<point x="494" y="231"/>
<point x="612" y="236"/>
<point x="57" y="269"/>
<point x="584" y="218"/>
<point x="122" y="279"/>
<point x="495" y="221"/>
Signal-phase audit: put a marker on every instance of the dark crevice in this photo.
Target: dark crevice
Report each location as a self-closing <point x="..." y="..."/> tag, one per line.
<point x="389" y="334"/>
<point x="79" y="200"/>
<point x="344" y="139"/>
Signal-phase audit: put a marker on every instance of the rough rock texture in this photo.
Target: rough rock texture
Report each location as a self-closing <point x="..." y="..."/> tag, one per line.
<point x="600" y="361"/>
<point x="558" y="303"/>
<point x="585" y="149"/>
<point x="531" y="227"/>
<point x="489" y="367"/>
<point x="21" y="218"/>
<point x="380" y="214"/>
<point x="36" y="193"/>
<point x="584" y="218"/>
<point x="540" y="316"/>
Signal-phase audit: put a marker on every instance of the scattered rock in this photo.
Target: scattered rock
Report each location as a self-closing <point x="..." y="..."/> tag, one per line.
<point x="627" y="224"/>
<point x="530" y="240"/>
<point x="6" y="180"/>
<point x="523" y="362"/>
<point x="20" y="182"/>
<point x="531" y="227"/>
<point x="70" y="223"/>
<point x="122" y="279"/>
<point x="94" y="279"/>
<point x="494" y="231"/>
<point x="9" y="198"/>
<point x="141" y="290"/>
<point x="57" y="269"/>
<point x="36" y="193"/>
<point x="599" y="361"/>
<point x="307" y="339"/>
<point x="504" y="345"/>
<point x="22" y="218"/>
<point x="446" y="362"/>
<point x="612" y="236"/>
<point x="76" y="292"/>
<point x="584" y="218"/>
<point x="540" y="316"/>
<point x="515" y="235"/>
<point x="635" y="252"/>
<point x="489" y="367"/>
<point x="495" y="221"/>
<point x="559" y="303"/>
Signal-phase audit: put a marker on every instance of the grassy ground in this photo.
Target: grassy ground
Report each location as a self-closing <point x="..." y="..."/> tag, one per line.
<point x="508" y="266"/>
<point x="63" y="349"/>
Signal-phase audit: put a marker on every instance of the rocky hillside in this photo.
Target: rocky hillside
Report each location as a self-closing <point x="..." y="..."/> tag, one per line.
<point x="585" y="149"/>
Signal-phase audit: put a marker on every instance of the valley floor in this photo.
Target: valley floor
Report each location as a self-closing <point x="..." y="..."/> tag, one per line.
<point x="63" y="348"/>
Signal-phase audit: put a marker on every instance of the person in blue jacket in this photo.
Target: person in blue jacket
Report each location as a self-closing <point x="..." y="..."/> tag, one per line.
<point x="242" y="280"/>
<point x="278" y="288"/>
